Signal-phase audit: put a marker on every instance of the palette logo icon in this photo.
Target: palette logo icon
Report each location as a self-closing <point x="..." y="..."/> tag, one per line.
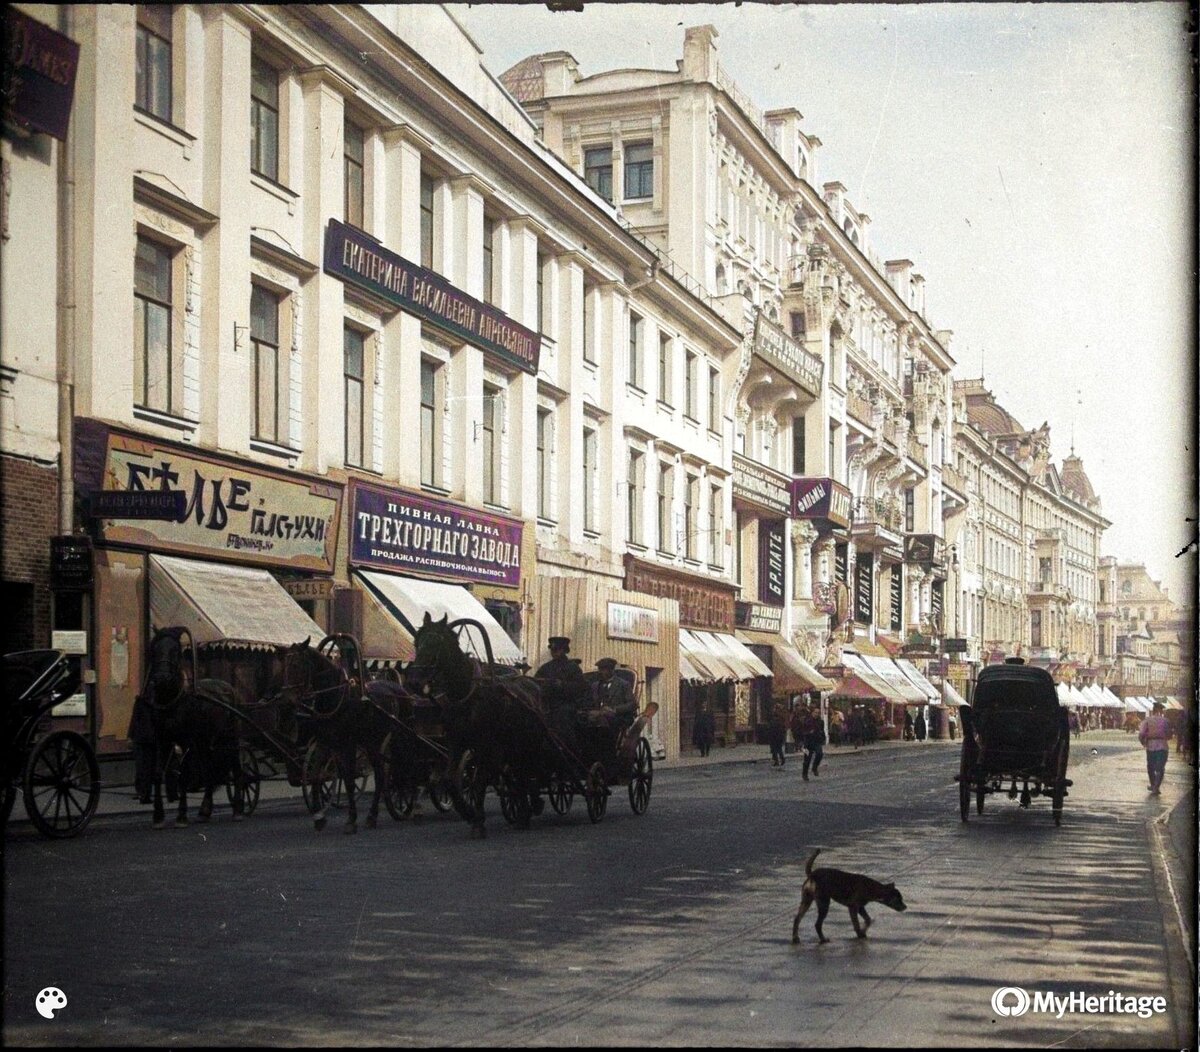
<point x="49" y="1001"/>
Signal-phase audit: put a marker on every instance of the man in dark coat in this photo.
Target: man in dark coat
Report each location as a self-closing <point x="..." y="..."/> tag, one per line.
<point x="704" y="730"/>
<point x="564" y="689"/>
<point x="919" y="726"/>
<point x="777" y="735"/>
<point x="611" y="695"/>
<point x="814" y="743"/>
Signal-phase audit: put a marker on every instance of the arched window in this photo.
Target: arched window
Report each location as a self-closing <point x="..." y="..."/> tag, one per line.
<point x="720" y="279"/>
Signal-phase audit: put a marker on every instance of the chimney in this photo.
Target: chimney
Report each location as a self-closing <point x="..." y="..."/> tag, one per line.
<point x="899" y="273"/>
<point x="700" y="53"/>
<point x="785" y="126"/>
<point x="918" y="294"/>
<point x="835" y="195"/>
<point x="560" y="73"/>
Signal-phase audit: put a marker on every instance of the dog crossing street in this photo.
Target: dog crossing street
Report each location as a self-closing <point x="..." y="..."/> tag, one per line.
<point x="670" y="928"/>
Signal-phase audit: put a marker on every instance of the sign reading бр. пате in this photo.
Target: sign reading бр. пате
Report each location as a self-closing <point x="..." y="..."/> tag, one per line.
<point x="393" y="529"/>
<point x="353" y="256"/>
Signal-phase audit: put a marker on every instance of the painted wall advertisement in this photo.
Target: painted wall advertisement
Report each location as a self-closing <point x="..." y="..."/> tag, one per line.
<point x="230" y="509"/>
<point x="761" y="486"/>
<point x="702" y="604"/>
<point x="393" y="529"/>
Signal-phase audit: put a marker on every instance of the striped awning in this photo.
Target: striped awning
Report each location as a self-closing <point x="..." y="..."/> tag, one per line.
<point x="888" y="670"/>
<point x="792" y="674"/>
<point x="919" y="681"/>
<point x="951" y="696"/>
<point x="852" y="686"/>
<point x="858" y="666"/>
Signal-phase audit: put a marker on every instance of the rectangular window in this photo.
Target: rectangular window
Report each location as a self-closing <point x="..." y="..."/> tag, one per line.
<point x="353" y="160"/>
<point x="541" y="293"/>
<point x="597" y="170"/>
<point x="909" y="510"/>
<point x="689" y="385"/>
<point x="430" y="425"/>
<point x="633" y="505"/>
<point x="691" y="499"/>
<point x="591" y="459"/>
<point x="264" y="119"/>
<point x="153" y="80"/>
<point x="714" y="400"/>
<point x="716" y="528"/>
<point x="664" y="368"/>
<point x="491" y="444"/>
<point x="589" y="324"/>
<point x="798" y="324"/>
<point x="354" y="347"/>
<point x="798" y="445"/>
<point x="639" y="170"/>
<point x="635" y="350"/>
<point x="737" y="546"/>
<point x="427" y="222"/>
<point x="270" y="390"/>
<point x="152" y="326"/>
<point x="545" y="453"/>
<point x="665" y="488"/>
<point x="489" y="234"/>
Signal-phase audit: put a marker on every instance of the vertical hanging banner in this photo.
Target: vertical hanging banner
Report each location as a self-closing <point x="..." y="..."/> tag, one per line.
<point x="897" y="593"/>
<point x="935" y="605"/>
<point x="770" y="565"/>
<point x="864" y="588"/>
<point x="839" y="564"/>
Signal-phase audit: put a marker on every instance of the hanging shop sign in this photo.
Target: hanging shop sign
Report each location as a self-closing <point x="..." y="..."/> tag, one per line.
<point x="626" y="621"/>
<point x="38" y="74"/>
<point x="758" y="617"/>
<point x="897" y="598"/>
<point x="393" y="529"/>
<point x="357" y="258"/>
<point x="840" y="564"/>
<point x="935" y="605"/>
<point x="759" y="485"/>
<point x="954" y="646"/>
<point x="864" y="588"/>
<point x="703" y="604"/>
<point x="821" y="498"/>
<point x="770" y="562"/>
<point x="928" y="549"/>
<point x="775" y="347"/>
<point x="231" y="509"/>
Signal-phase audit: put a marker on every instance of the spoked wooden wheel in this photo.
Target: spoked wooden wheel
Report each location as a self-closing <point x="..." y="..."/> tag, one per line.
<point x="399" y="798"/>
<point x="439" y="791"/>
<point x="251" y="780"/>
<point x="561" y="794"/>
<point x="514" y="800"/>
<point x="62" y="784"/>
<point x="319" y="780"/>
<point x="469" y="784"/>
<point x="597" y="792"/>
<point x="641" y="778"/>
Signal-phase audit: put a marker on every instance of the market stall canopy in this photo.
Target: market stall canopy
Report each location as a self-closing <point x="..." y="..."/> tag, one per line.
<point x="688" y="672"/>
<point x="1131" y="705"/>
<point x="216" y="601"/>
<point x="952" y="696"/>
<point x="409" y="599"/>
<point x="888" y="670"/>
<point x="917" y="679"/>
<point x="1064" y="694"/>
<point x="1111" y="696"/>
<point x="858" y="666"/>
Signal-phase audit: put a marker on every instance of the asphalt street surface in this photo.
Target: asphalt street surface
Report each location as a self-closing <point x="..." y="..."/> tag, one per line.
<point x="673" y="928"/>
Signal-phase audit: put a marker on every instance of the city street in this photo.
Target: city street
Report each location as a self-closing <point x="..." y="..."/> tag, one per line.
<point x="668" y="929"/>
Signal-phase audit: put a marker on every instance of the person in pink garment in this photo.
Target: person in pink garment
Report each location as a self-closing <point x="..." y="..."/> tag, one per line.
<point x="1155" y="736"/>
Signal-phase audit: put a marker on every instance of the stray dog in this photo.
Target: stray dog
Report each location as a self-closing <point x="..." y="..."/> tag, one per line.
<point x="850" y="889"/>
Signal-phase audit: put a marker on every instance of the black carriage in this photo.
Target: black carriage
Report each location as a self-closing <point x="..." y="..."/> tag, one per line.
<point x="55" y="770"/>
<point x="1014" y="731"/>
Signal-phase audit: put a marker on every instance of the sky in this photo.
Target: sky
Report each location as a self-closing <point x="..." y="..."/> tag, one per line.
<point x="1037" y="164"/>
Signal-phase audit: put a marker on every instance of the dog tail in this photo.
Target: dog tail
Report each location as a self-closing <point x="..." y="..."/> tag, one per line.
<point x="811" y="859"/>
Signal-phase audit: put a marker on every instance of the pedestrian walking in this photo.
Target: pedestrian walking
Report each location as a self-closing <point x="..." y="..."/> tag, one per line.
<point x="919" y="726"/>
<point x="704" y="730"/>
<point x="814" y="743"/>
<point x="777" y="735"/>
<point x="1155" y="736"/>
<point x="837" y="727"/>
<point x="953" y="725"/>
<point x="909" y="731"/>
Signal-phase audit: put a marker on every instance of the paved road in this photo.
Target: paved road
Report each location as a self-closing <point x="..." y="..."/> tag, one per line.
<point x="668" y="929"/>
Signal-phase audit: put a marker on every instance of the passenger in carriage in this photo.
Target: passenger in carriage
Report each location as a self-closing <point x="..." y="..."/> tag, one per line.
<point x="611" y="695"/>
<point x="563" y="689"/>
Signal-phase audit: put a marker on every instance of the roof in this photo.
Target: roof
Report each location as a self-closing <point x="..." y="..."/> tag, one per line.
<point x="990" y="418"/>
<point x="1075" y="480"/>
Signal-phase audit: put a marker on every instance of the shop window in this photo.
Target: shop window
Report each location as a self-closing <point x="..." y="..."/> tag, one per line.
<point x="270" y="379"/>
<point x="639" y="170"/>
<point x="264" y="119"/>
<point x="153" y="78"/>
<point x="507" y="616"/>
<point x="154" y="365"/>
<point x="353" y="161"/>
<point x="597" y="170"/>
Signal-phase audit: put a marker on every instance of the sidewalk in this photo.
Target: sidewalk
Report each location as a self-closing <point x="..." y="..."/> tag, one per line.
<point x="762" y="753"/>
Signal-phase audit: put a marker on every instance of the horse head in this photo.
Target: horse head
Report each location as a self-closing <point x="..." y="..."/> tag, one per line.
<point x="165" y="665"/>
<point x="439" y="665"/>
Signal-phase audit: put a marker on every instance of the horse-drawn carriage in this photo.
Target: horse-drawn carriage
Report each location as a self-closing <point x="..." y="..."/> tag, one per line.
<point x="57" y="771"/>
<point x="1014" y="731"/>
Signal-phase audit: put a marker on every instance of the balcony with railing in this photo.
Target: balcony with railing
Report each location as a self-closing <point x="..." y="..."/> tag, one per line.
<point x="872" y="511"/>
<point x="952" y="479"/>
<point x="916" y="451"/>
<point x="859" y="408"/>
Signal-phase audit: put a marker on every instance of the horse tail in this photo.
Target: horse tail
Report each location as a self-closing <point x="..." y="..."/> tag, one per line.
<point x="811" y="859"/>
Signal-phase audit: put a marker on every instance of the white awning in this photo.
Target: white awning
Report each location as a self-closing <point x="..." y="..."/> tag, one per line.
<point x="1064" y="694"/>
<point x="708" y="667"/>
<point x="890" y="671"/>
<point x="1111" y="696"/>
<point x="858" y="665"/>
<point x="719" y="658"/>
<point x="736" y="654"/>
<point x="952" y="696"/>
<point x="409" y="599"/>
<point x="918" y="680"/>
<point x="215" y="601"/>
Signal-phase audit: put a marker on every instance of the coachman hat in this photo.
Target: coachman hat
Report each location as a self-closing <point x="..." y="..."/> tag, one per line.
<point x="559" y="642"/>
<point x="604" y="663"/>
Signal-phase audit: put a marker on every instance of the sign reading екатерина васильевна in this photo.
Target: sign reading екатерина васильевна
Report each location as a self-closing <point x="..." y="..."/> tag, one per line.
<point x="357" y="258"/>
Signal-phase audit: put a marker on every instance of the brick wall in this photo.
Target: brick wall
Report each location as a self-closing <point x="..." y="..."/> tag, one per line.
<point x="29" y="515"/>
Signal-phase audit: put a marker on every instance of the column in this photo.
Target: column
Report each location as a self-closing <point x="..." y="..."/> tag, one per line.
<point x="803" y="536"/>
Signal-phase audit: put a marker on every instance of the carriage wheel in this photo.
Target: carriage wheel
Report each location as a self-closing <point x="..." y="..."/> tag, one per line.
<point x="561" y="794"/>
<point x="641" y="778"/>
<point x="439" y="791"/>
<point x="319" y="781"/>
<point x="596" y="792"/>
<point x="514" y="801"/>
<point x="398" y="798"/>
<point x="62" y="784"/>
<point x="964" y="785"/>
<point x="251" y="780"/>
<point x="469" y="784"/>
<point x="1060" y="782"/>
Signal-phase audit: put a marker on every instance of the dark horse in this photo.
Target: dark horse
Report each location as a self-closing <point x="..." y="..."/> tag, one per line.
<point x="194" y="717"/>
<point x="325" y="683"/>
<point x="494" y="728"/>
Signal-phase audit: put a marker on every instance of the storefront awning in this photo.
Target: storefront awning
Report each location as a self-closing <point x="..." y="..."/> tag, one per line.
<point x="951" y="696"/>
<point x="718" y="657"/>
<point x="216" y="601"/>
<point x="793" y="675"/>
<point x="887" y="670"/>
<point x="409" y="599"/>
<point x="737" y="654"/>
<point x="859" y="667"/>
<point x="917" y="679"/>
<point x="852" y="686"/>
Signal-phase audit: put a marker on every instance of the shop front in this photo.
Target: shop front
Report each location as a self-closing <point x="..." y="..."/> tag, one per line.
<point x="183" y="536"/>
<point x="411" y="554"/>
<point x="716" y="669"/>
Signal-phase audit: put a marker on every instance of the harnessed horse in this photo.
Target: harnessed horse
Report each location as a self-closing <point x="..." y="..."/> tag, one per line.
<point x="195" y="716"/>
